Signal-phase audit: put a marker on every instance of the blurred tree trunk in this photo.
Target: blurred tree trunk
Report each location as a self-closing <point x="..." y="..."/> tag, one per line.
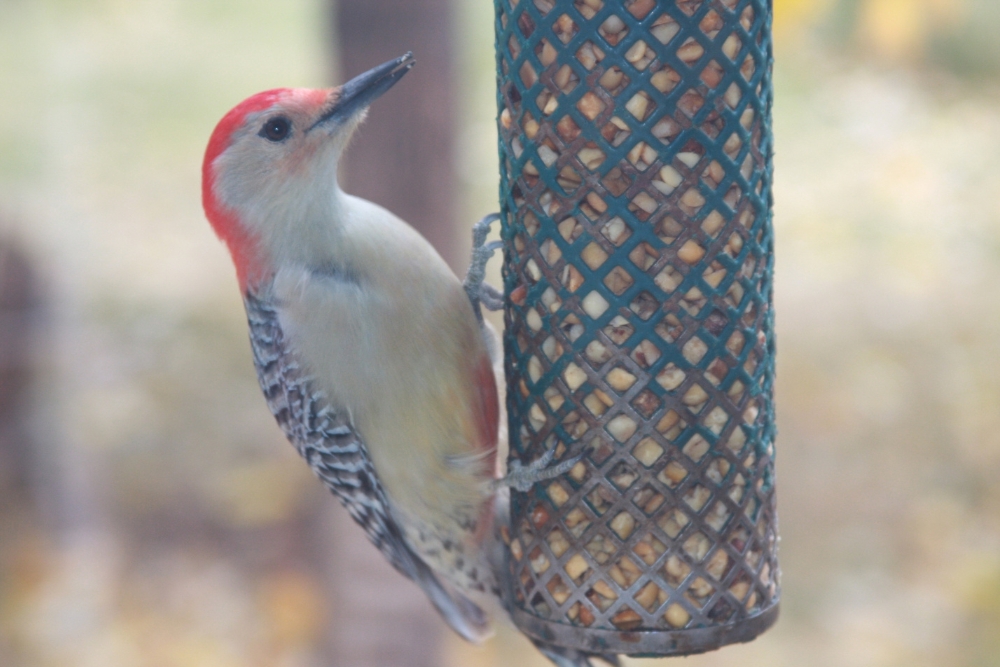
<point x="19" y="304"/>
<point x="402" y="160"/>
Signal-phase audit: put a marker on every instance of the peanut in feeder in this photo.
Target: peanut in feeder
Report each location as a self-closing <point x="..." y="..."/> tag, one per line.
<point x="635" y="152"/>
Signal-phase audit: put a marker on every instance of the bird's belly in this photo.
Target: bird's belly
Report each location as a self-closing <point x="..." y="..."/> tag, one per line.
<point x="405" y="388"/>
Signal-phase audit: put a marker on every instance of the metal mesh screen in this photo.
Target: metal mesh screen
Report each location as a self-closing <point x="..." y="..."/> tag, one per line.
<point x="635" y="152"/>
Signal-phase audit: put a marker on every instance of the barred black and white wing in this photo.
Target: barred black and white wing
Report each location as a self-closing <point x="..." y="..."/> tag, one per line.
<point x="335" y="451"/>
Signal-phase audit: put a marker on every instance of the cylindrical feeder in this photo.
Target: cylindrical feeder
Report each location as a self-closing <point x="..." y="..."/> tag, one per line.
<point x="635" y="153"/>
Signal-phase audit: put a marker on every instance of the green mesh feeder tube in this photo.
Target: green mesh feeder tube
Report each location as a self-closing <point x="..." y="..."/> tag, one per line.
<point x="635" y="152"/>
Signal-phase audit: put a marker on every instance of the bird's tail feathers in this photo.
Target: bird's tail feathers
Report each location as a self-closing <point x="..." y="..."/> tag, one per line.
<point x="459" y="612"/>
<point x="462" y="614"/>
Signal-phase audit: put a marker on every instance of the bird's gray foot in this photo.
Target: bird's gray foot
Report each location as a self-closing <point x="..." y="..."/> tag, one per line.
<point x="522" y="477"/>
<point x="479" y="292"/>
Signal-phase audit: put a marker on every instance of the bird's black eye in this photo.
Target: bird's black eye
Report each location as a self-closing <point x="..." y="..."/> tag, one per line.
<point x="276" y="129"/>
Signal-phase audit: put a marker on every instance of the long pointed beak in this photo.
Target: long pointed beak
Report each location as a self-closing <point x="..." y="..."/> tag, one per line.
<point x="362" y="90"/>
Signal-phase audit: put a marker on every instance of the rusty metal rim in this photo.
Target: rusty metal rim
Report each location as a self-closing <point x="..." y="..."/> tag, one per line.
<point x="649" y="643"/>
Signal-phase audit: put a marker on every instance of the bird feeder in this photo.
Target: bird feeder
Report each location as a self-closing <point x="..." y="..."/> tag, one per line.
<point x="635" y="152"/>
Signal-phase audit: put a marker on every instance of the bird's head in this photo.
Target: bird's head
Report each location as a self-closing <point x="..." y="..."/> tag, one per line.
<point x="271" y="163"/>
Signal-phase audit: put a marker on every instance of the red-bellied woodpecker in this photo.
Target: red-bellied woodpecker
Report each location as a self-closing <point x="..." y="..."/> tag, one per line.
<point x="371" y="355"/>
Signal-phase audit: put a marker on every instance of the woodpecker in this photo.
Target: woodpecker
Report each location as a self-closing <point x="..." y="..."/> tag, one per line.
<point x="371" y="354"/>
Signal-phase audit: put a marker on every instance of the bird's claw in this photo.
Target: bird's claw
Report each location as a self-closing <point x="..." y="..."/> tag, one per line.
<point x="522" y="477"/>
<point x="482" y="229"/>
<point x="490" y="297"/>
<point x="480" y="293"/>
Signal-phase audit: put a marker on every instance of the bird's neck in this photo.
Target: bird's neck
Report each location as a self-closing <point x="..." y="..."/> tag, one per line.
<point x="308" y="230"/>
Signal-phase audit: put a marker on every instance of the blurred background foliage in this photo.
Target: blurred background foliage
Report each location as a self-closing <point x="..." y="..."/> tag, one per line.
<point x="150" y="512"/>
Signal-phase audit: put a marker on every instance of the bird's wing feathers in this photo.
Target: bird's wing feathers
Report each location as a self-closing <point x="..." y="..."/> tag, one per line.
<point x="336" y="453"/>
